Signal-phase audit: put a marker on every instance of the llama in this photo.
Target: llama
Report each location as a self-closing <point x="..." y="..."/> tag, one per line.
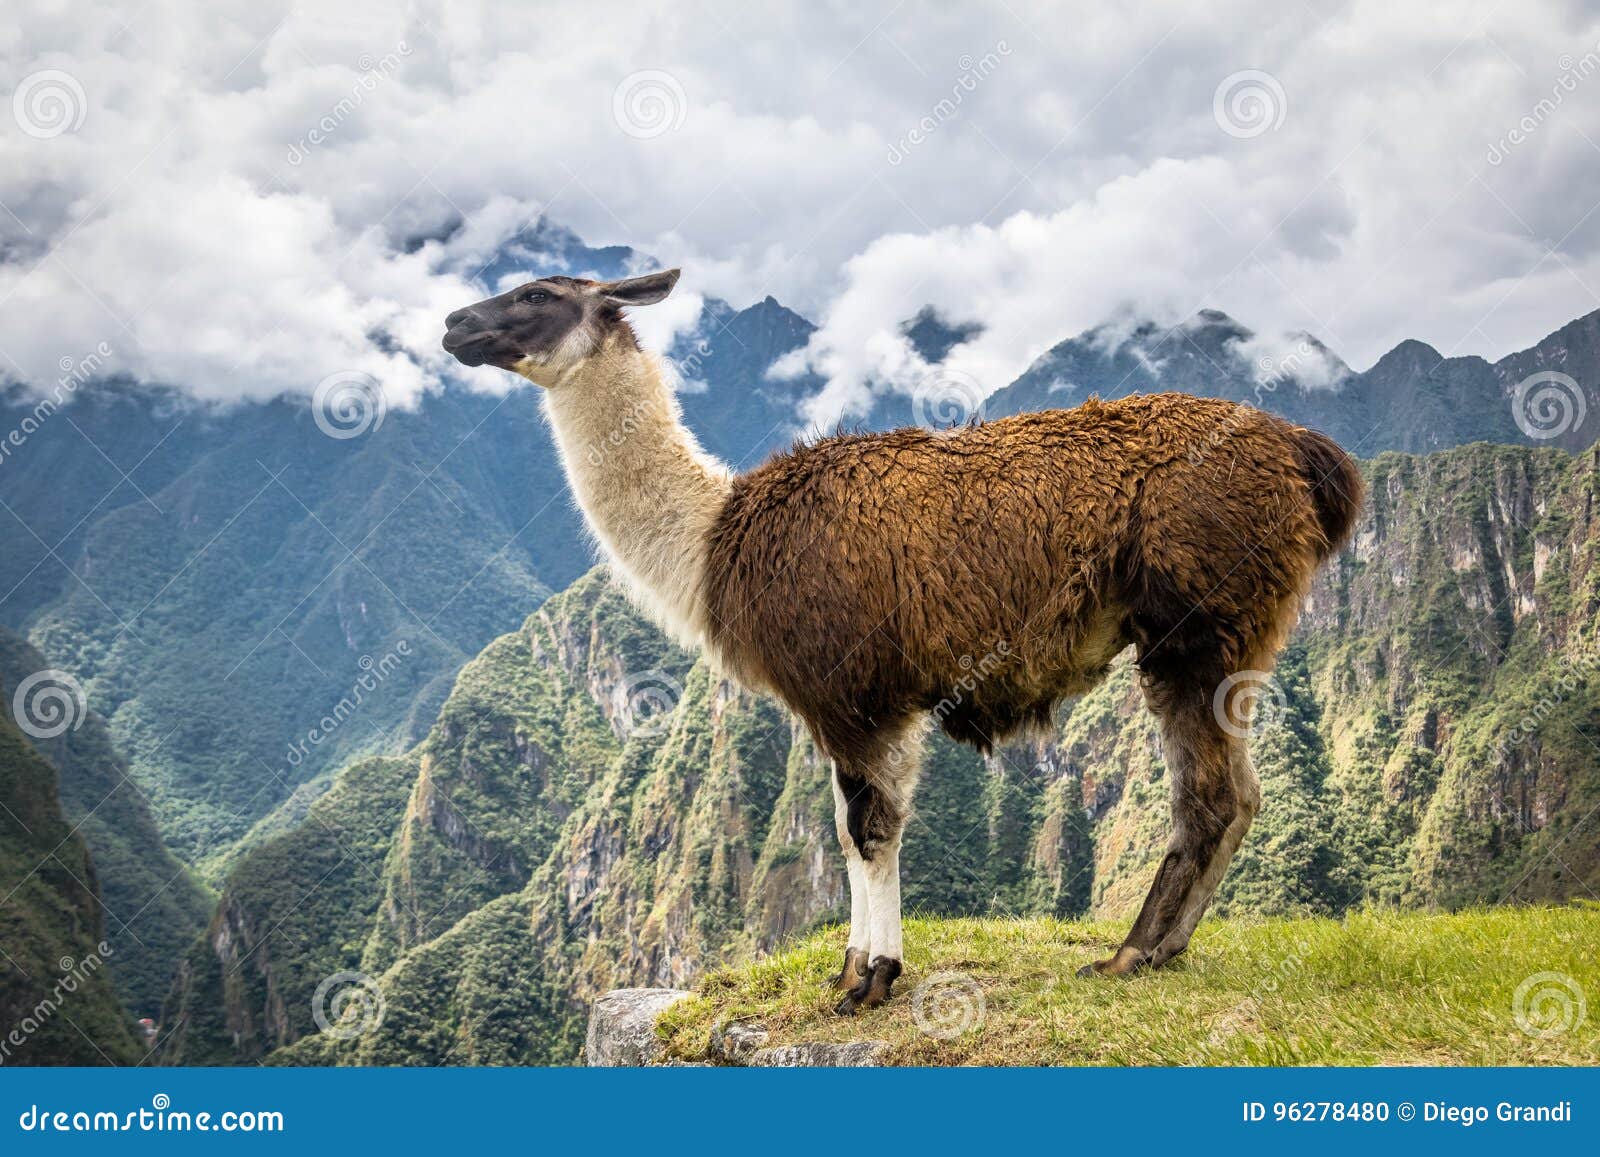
<point x="859" y="578"/>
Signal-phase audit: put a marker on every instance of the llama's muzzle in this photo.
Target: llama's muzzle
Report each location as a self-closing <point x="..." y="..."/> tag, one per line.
<point x="466" y="338"/>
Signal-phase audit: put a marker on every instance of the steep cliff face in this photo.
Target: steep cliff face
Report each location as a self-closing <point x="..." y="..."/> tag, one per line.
<point x="293" y="911"/>
<point x="1425" y="740"/>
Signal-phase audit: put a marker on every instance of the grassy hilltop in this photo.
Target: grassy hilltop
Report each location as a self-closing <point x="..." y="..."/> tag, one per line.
<point x="1372" y="989"/>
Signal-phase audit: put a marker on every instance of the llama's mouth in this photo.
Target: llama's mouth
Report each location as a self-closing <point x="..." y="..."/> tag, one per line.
<point x="478" y="348"/>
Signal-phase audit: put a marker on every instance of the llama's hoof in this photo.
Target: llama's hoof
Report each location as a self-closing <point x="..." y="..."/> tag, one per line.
<point x="1125" y="962"/>
<point x="873" y="988"/>
<point x="855" y="967"/>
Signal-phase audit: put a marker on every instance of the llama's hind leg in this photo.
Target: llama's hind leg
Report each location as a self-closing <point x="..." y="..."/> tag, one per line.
<point x="855" y="954"/>
<point x="1215" y="795"/>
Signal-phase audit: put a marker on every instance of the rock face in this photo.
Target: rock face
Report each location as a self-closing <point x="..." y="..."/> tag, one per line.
<point x="1413" y="399"/>
<point x="855" y="1055"/>
<point x="622" y="1027"/>
<point x="622" y="1033"/>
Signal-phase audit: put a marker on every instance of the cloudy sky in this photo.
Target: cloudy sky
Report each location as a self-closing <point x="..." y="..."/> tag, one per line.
<point x="242" y="198"/>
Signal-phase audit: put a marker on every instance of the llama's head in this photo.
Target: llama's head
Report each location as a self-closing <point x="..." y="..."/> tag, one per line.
<point x="545" y="327"/>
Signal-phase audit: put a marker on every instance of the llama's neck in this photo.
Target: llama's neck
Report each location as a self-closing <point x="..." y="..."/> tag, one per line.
<point x="649" y="492"/>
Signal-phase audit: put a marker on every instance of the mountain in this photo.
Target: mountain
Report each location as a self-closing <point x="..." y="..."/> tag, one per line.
<point x="554" y="836"/>
<point x="544" y="248"/>
<point x="258" y="602"/>
<point x="932" y="337"/>
<point x="57" y="1002"/>
<point x="738" y="413"/>
<point x="150" y="903"/>
<point x="1412" y="399"/>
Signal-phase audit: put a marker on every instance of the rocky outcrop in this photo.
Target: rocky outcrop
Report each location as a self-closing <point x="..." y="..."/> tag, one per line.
<point x="622" y="1033"/>
<point x="622" y="1027"/>
<point x="821" y="1055"/>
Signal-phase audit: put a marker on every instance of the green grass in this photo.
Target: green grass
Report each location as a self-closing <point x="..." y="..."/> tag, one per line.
<point x="1375" y="988"/>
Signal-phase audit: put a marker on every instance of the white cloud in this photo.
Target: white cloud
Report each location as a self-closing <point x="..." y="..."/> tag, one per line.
<point x="193" y="224"/>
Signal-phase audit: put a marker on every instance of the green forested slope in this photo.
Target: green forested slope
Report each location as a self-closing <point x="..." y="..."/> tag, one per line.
<point x="221" y="621"/>
<point x="56" y="991"/>
<point x="151" y="903"/>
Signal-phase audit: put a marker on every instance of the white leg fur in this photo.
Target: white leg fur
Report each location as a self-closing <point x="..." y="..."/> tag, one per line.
<point x="855" y="866"/>
<point x="860" y="902"/>
<point x="883" y="901"/>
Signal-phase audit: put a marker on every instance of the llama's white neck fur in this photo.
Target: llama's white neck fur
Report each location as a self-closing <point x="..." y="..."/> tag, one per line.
<point x="649" y="493"/>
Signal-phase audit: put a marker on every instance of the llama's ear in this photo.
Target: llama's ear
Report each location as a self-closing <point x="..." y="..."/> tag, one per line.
<point x="646" y="290"/>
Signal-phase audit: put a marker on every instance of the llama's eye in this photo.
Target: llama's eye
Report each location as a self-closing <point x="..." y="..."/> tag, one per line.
<point x="535" y="296"/>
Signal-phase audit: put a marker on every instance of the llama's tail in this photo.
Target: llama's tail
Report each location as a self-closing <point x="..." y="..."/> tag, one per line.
<point x="1335" y="484"/>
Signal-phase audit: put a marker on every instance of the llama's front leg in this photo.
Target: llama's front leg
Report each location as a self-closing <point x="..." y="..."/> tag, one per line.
<point x="875" y="812"/>
<point x="855" y="955"/>
<point x="884" y="957"/>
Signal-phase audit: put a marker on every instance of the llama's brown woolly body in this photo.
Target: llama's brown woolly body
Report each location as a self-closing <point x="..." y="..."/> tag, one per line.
<point x="984" y="573"/>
